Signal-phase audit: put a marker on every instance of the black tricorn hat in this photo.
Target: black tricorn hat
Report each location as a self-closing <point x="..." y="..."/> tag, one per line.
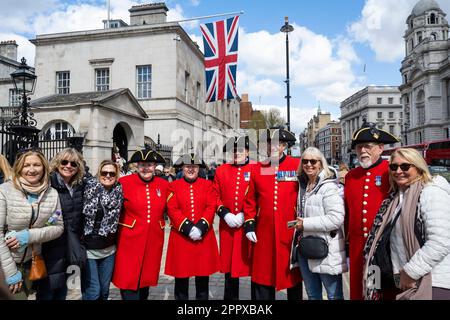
<point x="189" y="158"/>
<point x="147" y="155"/>
<point x="239" y="142"/>
<point x="370" y="133"/>
<point x="278" y="133"/>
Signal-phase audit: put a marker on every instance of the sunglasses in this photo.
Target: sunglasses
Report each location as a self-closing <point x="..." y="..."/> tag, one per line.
<point x="112" y="174"/>
<point x="73" y="164"/>
<point x="404" y="166"/>
<point x="312" y="161"/>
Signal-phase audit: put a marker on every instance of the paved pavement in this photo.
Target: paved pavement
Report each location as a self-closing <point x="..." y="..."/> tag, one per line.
<point x="164" y="290"/>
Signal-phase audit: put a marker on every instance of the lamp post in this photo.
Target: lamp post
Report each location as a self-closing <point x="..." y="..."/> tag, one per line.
<point x="286" y="28"/>
<point x="23" y="124"/>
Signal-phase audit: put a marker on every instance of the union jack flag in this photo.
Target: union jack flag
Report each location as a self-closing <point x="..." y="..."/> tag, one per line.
<point x="220" y="41"/>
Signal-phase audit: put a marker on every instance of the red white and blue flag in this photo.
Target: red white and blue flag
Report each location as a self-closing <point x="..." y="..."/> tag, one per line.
<point x="220" y="41"/>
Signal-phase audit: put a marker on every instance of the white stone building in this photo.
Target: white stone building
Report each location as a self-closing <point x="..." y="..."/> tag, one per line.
<point x="160" y="66"/>
<point x="8" y="64"/>
<point x="377" y="104"/>
<point x="426" y="75"/>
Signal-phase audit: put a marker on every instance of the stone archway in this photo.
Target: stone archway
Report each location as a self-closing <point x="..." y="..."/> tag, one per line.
<point x="121" y="141"/>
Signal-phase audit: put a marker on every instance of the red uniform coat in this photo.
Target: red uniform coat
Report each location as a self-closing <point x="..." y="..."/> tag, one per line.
<point x="272" y="204"/>
<point x="195" y="202"/>
<point x="230" y="184"/>
<point x="140" y="237"/>
<point x="364" y="191"/>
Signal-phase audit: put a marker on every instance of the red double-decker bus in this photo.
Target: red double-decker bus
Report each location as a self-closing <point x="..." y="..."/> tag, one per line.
<point x="435" y="153"/>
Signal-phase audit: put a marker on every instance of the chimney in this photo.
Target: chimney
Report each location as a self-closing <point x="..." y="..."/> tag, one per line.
<point x="151" y="13"/>
<point x="9" y="49"/>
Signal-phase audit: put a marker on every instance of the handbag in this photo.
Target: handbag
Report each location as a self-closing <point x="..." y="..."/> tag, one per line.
<point x="38" y="269"/>
<point x="312" y="247"/>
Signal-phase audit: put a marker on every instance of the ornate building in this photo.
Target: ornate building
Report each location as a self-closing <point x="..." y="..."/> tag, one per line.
<point x="425" y="88"/>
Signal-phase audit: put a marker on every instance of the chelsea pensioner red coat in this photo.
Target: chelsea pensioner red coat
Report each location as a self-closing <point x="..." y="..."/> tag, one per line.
<point x="230" y="184"/>
<point x="191" y="204"/>
<point x="364" y="191"/>
<point x="270" y="204"/>
<point x="141" y="233"/>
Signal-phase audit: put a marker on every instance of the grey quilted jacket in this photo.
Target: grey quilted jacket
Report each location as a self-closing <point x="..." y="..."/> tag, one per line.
<point x="15" y="214"/>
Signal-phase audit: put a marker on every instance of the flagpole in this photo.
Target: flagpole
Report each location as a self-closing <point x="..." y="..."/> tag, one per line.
<point x="211" y="16"/>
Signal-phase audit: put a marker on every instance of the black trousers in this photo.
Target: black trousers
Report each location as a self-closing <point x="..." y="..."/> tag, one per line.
<point x="181" y="291"/>
<point x="261" y="292"/>
<point x="231" y="288"/>
<point x="141" y="294"/>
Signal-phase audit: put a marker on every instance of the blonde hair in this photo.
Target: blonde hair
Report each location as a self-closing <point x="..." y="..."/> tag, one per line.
<point x="5" y="168"/>
<point x="318" y="155"/>
<point x="413" y="157"/>
<point x="20" y="162"/>
<point x="108" y="163"/>
<point x="69" y="154"/>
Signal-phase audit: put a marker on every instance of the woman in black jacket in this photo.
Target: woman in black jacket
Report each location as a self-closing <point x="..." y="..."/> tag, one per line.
<point x="67" y="172"/>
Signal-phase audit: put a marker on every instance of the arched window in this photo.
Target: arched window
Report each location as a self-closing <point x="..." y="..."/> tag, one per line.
<point x="58" y="130"/>
<point x="434" y="36"/>
<point x="432" y="19"/>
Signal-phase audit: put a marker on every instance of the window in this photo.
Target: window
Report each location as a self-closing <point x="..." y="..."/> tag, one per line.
<point x="432" y="19"/>
<point x="434" y="36"/>
<point x="101" y="79"/>
<point x="401" y="115"/>
<point x="63" y="82"/>
<point x="59" y="131"/>
<point x="391" y="100"/>
<point x="379" y="100"/>
<point x="197" y="95"/>
<point x="380" y="115"/>
<point x="380" y="126"/>
<point x="186" y="85"/>
<point x="391" y="115"/>
<point x="144" y="82"/>
<point x="419" y="37"/>
<point x="14" y="98"/>
<point x="391" y="129"/>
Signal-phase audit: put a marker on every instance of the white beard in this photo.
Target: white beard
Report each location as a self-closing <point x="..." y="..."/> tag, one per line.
<point x="365" y="164"/>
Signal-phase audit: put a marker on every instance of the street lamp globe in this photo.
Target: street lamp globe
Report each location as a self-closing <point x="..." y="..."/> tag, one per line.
<point x="24" y="79"/>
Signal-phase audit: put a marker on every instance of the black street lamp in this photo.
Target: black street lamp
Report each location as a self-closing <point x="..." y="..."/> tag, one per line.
<point x="24" y="82"/>
<point x="286" y="28"/>
<point x="23" y="124"/>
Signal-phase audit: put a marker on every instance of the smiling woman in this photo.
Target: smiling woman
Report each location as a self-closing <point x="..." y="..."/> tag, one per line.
<point x="27" y="229"/>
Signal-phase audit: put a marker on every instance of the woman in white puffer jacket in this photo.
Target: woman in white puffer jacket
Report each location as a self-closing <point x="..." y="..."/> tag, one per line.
<point x="26" y="199"/>
<point x="321" y="213"/>
<point x="416" y="220"/>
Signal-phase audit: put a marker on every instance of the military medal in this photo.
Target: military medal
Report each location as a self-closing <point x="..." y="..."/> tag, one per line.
<point x="247" y="176"/>
<point x="378" y="181"/>
<point x="158" y="192"/>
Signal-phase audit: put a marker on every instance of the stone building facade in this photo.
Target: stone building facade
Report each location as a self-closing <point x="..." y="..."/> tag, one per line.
<point x="157" y="62"/>
<point x="378" y="104"/>
<point x="425" y="70"/>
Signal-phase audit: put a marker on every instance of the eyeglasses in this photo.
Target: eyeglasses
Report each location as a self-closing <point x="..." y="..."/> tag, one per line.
<point x="367" y="146"/>
<point x="404" y="166"/>
<point x="312" y="161"/>
<point x="66" y="162"/>
<point x="112" y="174"/>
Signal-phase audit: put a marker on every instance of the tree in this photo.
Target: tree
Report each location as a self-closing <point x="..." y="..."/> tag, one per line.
<point x="273" y="118"/>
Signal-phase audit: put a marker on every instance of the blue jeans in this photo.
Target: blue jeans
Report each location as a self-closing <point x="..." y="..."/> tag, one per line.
<point x="96" y="277"/>
<point x="314" y="281"/>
